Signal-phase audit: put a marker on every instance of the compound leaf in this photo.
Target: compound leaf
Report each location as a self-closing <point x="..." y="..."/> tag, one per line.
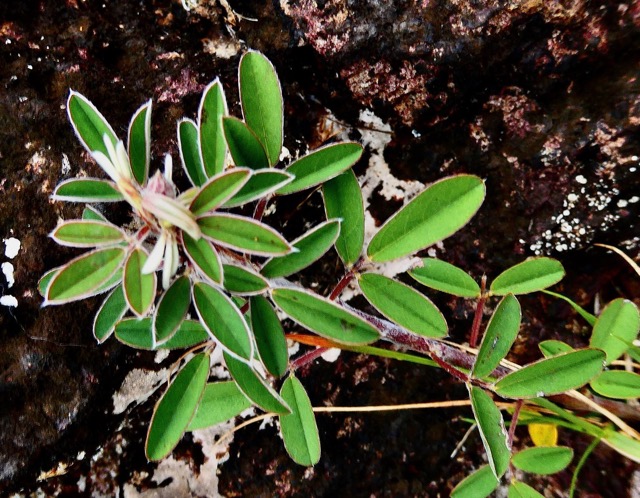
<point x="543" y="460"/>
<point x="552" y="347"/>
<point x="139" y="288"/>
<point x="403" y="305"/>
<point x="255" y="387"/>
<point x="138" y="334"/>
<point x="83" y="276"/>
<point x="531" y="275"/>
<point x="321" y="165"/>
<point x="213" y="146"/>
<point x="85" y="233"/>
<point x="324" y="317"/>
<point x="243" y="281"/>
<point x="90" y="126"/>
<point x="262" y="105"/>
<point x="110" y="312"/>
<point x="343" y="200"/>
<point x="501" y="333"/>
<point x="189" y="147"/>
<point x="521" y="490"/>
<point x="87" y="190"/>
<point x="553" y="375"/>
<point x="445" y="277"/>
<point x="479" y="484"/>
<point x="223" y="321"/>
<point x="246" y="149"/>
<point x="269" y="335"/>
<point x="140" y="143"/>
<point x="219" y="189"/>
<point x="310" y="247"/>
<point x="172" y="309"/>
<point x="299" y="428"/>
<point x="492" y="431"/>
<point x="262" y="183"/>
<point x="243" y="234"/>
<point x="220" y="402"/>
<point x="176" y="408"/>
<point x="438" y="212"/>
<point x="616" y="328"/>
<point x="617" y="384"/>
<point x="204" y="257"/>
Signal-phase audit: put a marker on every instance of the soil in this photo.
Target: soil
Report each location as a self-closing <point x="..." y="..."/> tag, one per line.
<point x="541" y="99"/>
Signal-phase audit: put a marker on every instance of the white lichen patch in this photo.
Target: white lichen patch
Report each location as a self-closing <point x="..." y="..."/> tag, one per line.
<point x="11" y="247"/>
<point x="137" y="387"/>
<point x="9" y="301"/>
<point x="7" y="269"/>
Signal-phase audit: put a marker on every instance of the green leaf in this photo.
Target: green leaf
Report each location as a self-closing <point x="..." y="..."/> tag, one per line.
<point x="552" y="347"/>
<point x="262" y="183"/>
<point x="617" y="384"/>
<point x="213" y="147"/>
<point x="255" y="387"/>
<point x="176" y="408"/>
<point x="86" y="190"/>
<point x="243" y="281"/>
<point x="90" y="126"/>
<point x="492" y="431"/>
<point x="477" y="485"/>
<point x="543" y="460"/>
<point x="189" y="148"/>
<point x="244" y="146"/>
<point x="616" y="328"/>
<point x="501" y="333"/>
<point x="435" y="214"/>
<point x="138" y="334"/>
<point x="220" y="402"/>
<point x="110" y="312"/>
<point x="262" y="105"/>
<point x="445" y="277"/>
<point x="243" y="234"/>
<point x="139" y="288"/>
<point x="299" y="429"/>
<point x="343" y="200"/>
<point x="82" y="276"/>
<point x="403" y="305"/>
<point x="172" y="309"/>
<point x="84" y="233"/>
<point x="522" y="490"/>
<point x="140" y="143"/>
<point x="321" y="165"/>
<point x="311" y="246"/>
<point x="223" y="321"/>
<point x="204" y="257"/>
<point x="90" y="213"/>
<point x="623" y="444"/>
<point x="591" y="319"/>
<point x="531" y="275"/>
<point x="324" y="317"/>
<point x="269" y="335"/>
<point x="553" y="375"/>
<point x="219" y="189"/>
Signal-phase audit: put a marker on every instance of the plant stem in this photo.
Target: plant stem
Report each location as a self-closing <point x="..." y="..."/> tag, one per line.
<point x="260" y="208"/>
<point x="477" y="317"/>
<point x="307" y="358"/>
<point x="583" y="459"/>
<point x="514" y="422"/>
<point x="345" y="280"/>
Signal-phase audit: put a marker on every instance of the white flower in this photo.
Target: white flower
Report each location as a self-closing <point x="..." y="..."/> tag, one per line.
<point x="169" y="212"/>
<point x="116" y="164"/>
<point x="166" y="249"/>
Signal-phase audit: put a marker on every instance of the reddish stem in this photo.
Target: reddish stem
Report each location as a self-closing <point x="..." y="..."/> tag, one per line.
<point x="514" y="422"/>
<point x="261" y="206"/>
<point x="477" y="317"/>
<point x="345" y="280"/>
<point x="307" y="358"/>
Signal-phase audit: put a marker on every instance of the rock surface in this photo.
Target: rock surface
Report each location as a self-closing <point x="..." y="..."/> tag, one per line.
<point x="540" y="98"/>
